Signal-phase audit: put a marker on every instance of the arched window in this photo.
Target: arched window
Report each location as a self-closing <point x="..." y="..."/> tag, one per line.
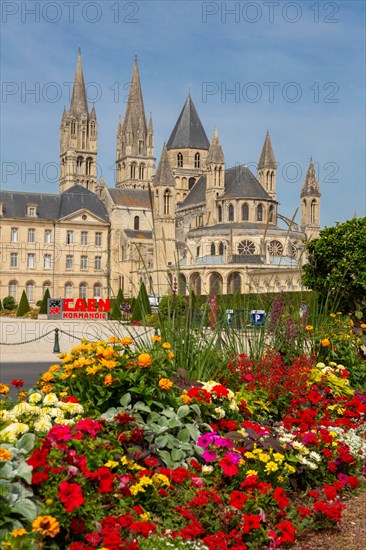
<point x="213" y="249"/>
<point x="88" y="166"/>
<point x="133" y="171"/>
<point x="221" y="249"/>
<point x="313" y="211"/>
<point x="79" y="166"/>
<point x="220" y="176"/>
<point x="92" y="129"/>
<point x="141" y="171"/>
<point x="68" y="290"/>
<point x="197" y="160"/>
<point x="97" y="290"/>
<point x="219" y="213"/>
<point x="195" y="283"/>
<point x="198" y="251"/>
<point x="13" y="285"/>
<point x="136" y="223"/>
<point x="29" y="290"/>
<point x="46" y="285"/>
<point x="234" y="283"/>
<point x="215" y="283"/>
<point x="73" y="127"/>
<point x="180" y="160"/>
<point x="166" y="197"/>
<point x="191" y="183"/>
<point x="231" y="213"/>
<point x="245" y="212"/>
<point x="270" y="214"/>
<point x="82" y="290"/>
<point x="260" y="213"/>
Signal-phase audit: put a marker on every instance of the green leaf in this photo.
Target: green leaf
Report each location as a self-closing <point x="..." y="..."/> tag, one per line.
<point x="174" y="423"/>
<point x="26" y="443"/>
<point x="177" y="455"/>
<point x="196" y="409"/>
<point x="24" y="471"/>
<point x="140" y="406"/>
<point x="183" y="411"/>
<point x="165" y="456"/>
<point x="184" y="435"/>
<point x="194" y="433"/>
<point x="169" y="413"/>
<point x="125" y="399"/>
<point x="162" y="440"/>
<point x="25" y="508"/>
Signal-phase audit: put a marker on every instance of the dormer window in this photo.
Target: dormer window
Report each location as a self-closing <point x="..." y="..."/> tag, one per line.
<point x="32" y="210"/>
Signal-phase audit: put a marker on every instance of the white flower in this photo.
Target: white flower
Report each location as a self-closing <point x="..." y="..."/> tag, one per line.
<point x="72" y="408"/>
<point x="233" y="406"/>
<point x="315" y="456"/>
<point x="42" y="425"/>
<point x="207" y="469"/>
<point x="35" y="398"/>
<point x="50" y="399"/>
<point x="12" y="432"/>
<point x="219" y="412"/>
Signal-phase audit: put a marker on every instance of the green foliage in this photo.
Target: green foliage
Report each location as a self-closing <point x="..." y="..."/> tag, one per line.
<point x="136" y="310"/>
<point x="120" y="297"/>
<point x="1" y="306"/>
<point x="141" y="306"/>
<point x="172" y="306"/>
<point x="9" y="303"/>
<point x="43" y="308"/>
<point x="23" y="306"/>
<point x="116" y="311"/>
<point x="336" y="263"/>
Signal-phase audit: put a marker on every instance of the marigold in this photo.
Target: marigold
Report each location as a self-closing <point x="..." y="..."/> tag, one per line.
<point x="325" y="342"/>
<point x="186" y="399"/>
<point x="363" y="325"/>
<point x="4" y="454"/>
<point x="126" y="341"/>
<point x="309" y="327"/>
<point x="47" y="377"/>
<point x="4" y="389"/>
<point x="171" y="355"/>
<point x="113" y="339"/>
<point x="19" y="532"/>
<point x="165" y="383"/>
<point x="47" y="388"/>
<point x="166" y="345"/>
<point x="47" y="526"/>
<point x="144" y="360"/>
<point x="156" y="338"/>
<point x="108" y="380"/>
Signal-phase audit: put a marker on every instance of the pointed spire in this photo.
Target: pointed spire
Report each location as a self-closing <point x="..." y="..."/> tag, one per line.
<point x="215" y="152"/>
<point x="93" y="114"/>
<point x="188" y="131"/>
<point x="79" y="102"/>
<point x="267" y="158"/>
<point x="311" y="185"/>
<point x="135" y="112"/>
<point x="164" y="175"/>
<point x="150" y="128"/>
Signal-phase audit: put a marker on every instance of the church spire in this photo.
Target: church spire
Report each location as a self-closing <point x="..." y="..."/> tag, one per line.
<point x="164" y="175"/>
<point x="79" y="102"/>
<point x="215" y="152"/>
<point x="267" y="168"/>
<point x="310" y="187"/>
<point x="310" y="203"/>
<point x="135" y="112"/>
<point x="267" y="158"/>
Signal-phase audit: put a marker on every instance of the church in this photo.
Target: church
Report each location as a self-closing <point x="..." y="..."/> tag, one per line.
<point x="190" y="223"/>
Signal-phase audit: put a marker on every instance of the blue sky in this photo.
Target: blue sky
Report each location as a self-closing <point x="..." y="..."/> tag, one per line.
<point x="294" y="68"/>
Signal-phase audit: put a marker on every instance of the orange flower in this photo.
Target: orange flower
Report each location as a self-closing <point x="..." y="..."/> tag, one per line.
<point x="113" y="339"/>
<point x="144" y="360"/>
<point x="47" y="388"/>
<point x="47" y="377"/>
<point x="4" y="454"/>
<point x="309" y="327"/>
<point x="186" y="399"/>
<point x="156" y="338"/>
<point x="363" y="325"/>
<point x="166" y="345"/>
<point x="325" y="342"/>
<point x="126" y="341"/>
<point x="4" y="389"/>
<point x="48" y="526"/>
<point x="165" y="383"/>
<point x="108" y="380"/>
<point x="19" y="532"/>
<point x="171" y="355"/>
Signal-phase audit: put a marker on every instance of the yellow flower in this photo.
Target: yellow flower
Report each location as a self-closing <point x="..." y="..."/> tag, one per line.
<point x="47" y="388"/>
<point x="161" y="478"/>
<point x="309" y="327"/>
<point x="144" y="480"/>
<point x="67" y="358"/>
<point x="136" y="489"/>
<point x="271" y="467"/>
<point x="48" y="526"/>
<point x="113" y="339"/>
<point x="166" y="345"/>
<point x="156" y="338"/>
<point x="171" y="355"/>
<point x="278" y="457"/>
<point x="290" y="468"/>
<point x="145" y="516"/>
<point x="325" y="342"/>
<point x="186" y="399"/>
<point x="4" y="454"/>
<point x="363" y="325"/>
<point x="4" y="389"/>
<point x="126" y="341"/>
<point x="108" y="352"/>
<point x="144" y="360"/>
<point x="111" y="464"/>
<point x="249" y="455"/>
<point x="92" y="370"/>
<point x="252" y="473"/>
<point x="109" y="363"/>
<point x="165" y="383"/>
<point x="47" y="377"/>
<point x="19" y="532"/>
<point x="54" y="368"/>
<point x="281" y="479"/>
<point x="332" y="315"/>
<point x="264" y="457"/>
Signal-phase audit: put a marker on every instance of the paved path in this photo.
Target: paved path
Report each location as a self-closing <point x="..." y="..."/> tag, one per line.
<point x="14" y="331"/>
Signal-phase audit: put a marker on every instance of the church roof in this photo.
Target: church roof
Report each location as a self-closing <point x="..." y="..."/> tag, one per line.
<point x="130" y="197"/>
<point x="267" y="158"/>
<point x="133" y="234"/>
<point x="215" y="152"/>
<point x="197" y="194"/>
<point x="135" y="119"/>
<point x="79" y="103"/>
<point x="310" y="187"/>
<point x="164" y="174"/>
<point x="188" y="132"/>
<point x="241" y="183"/>
<point x="52" y="207"/>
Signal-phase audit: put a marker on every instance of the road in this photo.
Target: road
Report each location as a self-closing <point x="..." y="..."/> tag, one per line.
<point x="29" y="372"/>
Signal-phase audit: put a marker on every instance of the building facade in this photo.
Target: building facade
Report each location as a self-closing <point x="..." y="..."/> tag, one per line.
<point x="192" y="223"/>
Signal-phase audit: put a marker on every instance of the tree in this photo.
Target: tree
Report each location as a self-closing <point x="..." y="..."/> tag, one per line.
<point x="23" y="306"/>
<point x="1" y="306"/>
<point x="120" y="297"/>
<point x="9" y="303"/>
<point x="142" y="306"/>
<point x="43" y="308"/>
<point x="336" y="265"/>
<point x="116" y="311"/>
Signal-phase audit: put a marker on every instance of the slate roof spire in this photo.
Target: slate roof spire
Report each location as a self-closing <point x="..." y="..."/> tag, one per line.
<point x="79" y="103"/>
<point x="267" y="158"/>
<point x="215" y="152"/>
<point x="164" y="174"/>
<point x="310" y="187"/>
<point x="188" y="132"/>
<point x="135" y="113"/>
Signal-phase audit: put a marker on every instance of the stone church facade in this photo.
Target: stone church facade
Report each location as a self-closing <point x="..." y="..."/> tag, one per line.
<point x="190" y="223"/>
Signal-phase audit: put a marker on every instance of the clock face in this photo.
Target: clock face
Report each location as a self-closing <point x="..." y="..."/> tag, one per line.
<point x="246" y="247"/>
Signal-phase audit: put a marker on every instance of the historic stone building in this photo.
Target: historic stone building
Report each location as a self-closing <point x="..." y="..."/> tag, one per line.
<point x="192" y="223"/>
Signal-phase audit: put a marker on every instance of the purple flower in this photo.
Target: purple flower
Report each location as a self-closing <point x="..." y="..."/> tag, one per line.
<point x="223" y="442"/>
<point x="205" y="440"/>
<point x="209" y="456"/>
<point x="234" y="457"/>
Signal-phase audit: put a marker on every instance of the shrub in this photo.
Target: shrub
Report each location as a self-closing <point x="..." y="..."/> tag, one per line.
<point x="43" y="308"/>
<point x="116" y="311"/>
<point x="1" y="306"/>
<point x="9" y="303"/>
<point x="23" y="306"/>
<point x="170" y="306"/>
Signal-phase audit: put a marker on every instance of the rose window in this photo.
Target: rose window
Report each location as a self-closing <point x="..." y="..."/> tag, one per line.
<point x="246" y="247"/>
<point x="275" y="248"/>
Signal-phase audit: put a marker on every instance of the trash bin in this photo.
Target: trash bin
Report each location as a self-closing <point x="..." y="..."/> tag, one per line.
<point x="229" y="317"/>
<point x="257" y="317"/>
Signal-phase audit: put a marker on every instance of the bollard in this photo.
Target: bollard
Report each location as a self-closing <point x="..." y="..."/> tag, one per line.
<point x="56" y="345"/>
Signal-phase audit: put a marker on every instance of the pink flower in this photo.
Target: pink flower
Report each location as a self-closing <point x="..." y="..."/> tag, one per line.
<point x="209" y="456"/>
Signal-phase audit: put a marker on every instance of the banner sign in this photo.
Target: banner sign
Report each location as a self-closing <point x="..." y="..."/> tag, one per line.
<point x="68" y="308"/>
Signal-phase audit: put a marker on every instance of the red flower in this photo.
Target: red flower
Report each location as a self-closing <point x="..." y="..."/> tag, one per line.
<point x="280" y="496"/>
<point x="143" y="527"/>
<point x="70" y="399"/>
<point x="237" y="499"/>
<point x="200" y="394"/>
<point x="77" y="525"/>
<point x="228" y="467"/>
<point x="17" y="383"/>
<point x="93" y="538"/>
<point x="71" y="495"/>
<point x="251" y="522"/>
<point x="287" y="532"/>
<point x="353" y="482"/>
<point x="60" y="432"/>
<point x="304" y="511"/>
<point x="220" y="391"/>
<point x="330" y="492"/>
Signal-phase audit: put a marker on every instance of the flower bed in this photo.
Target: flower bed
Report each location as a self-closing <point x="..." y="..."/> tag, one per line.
<point x="117" y="449"/>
